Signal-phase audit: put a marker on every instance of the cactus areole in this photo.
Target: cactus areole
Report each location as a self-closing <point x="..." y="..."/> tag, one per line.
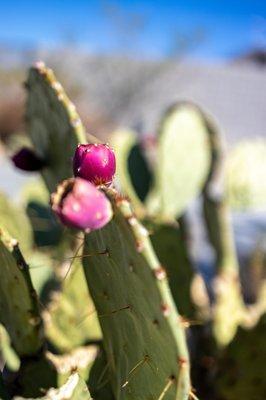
<point x="79" y="204"/>
<point x="95" y="163"/>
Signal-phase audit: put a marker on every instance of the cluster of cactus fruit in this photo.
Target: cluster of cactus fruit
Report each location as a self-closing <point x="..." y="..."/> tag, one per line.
<point x="101" y="299"/>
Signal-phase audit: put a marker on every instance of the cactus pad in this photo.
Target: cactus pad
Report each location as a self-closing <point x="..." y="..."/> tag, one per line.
<point x="142" y="332"/>
<point x="246" y="175"/>
<point x="12" y="219"/>
<point x="8" y="354"/>
<point x="19" y="306"/>
<point x="172" y="252"/>
<point x="183" y="160"/>
<point x="71" y="319"/>
<point x="228" y="308"/>
<point x="53" y="124"/>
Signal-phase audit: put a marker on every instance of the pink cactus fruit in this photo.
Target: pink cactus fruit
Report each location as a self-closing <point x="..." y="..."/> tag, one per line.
<point x="79" y="204"/>
<point x="26" y="160"/>
<point x="95" y="162"/>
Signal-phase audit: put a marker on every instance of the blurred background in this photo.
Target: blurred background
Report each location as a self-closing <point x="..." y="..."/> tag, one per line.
<point x="124" y="62"/>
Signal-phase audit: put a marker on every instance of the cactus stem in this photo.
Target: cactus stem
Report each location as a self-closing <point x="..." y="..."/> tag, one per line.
<point x="169" y="383"/>
<point x="135" y="369"/>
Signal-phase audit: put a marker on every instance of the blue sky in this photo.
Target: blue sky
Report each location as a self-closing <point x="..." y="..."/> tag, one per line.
<point x="224" y="27"/>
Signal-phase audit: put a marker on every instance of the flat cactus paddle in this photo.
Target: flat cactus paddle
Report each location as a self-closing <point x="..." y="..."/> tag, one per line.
<point x="143" y="336"/>
<point x="183" y="161"/>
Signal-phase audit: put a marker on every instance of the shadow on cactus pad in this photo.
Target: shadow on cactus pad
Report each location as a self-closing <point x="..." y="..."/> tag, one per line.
<point x="47" y="231"/>
<point x="139" y="172"/>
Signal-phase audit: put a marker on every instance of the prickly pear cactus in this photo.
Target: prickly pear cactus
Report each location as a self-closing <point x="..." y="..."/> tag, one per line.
<point x="20" y="315"/>
<point x="70" y="318"/>
<point x="170" y="247"/>
<point x="55" y="130"/>
<point x="143" y="337"/>
<point x="53" y="124"/>
<point x="19" y="308"/>
<point x="46" y="229"/>
<point x="12" y="219"/>
<point x="99" y="380"/>
<point x="246" y="175"/>
<point x="8" y="354"/>
<point x="143" y="353"/>
<point x="183" y="161"/>
<point x="228" y="309"/>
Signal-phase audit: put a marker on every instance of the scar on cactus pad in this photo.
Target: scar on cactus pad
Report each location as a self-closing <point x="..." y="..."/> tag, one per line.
<point x="79" y="204"/>
<point x="95" y="163"/>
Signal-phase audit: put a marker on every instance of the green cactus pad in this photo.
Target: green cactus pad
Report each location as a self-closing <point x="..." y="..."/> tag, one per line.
<point x="53" y="124"/>
<point x="71" y="319"/>
<point x="42" y="274"/>
<point x="183" y="161"/>
<point x="132" y="169"/>
<point x="13" y="219"/>
<point x="74" y="389"/>
<point x="142" y="332"/>
<point x="170" y="247"/>
<point x="216" y="210"/>
<point x="246" y="175"/>
<point x="8" y="354"/>
<point x="47" y="230"/>
<point x="19" y="309"/>
<point x="20" y="315"/>
<point x="228" y="308"/>
<point x="99" y="379"/>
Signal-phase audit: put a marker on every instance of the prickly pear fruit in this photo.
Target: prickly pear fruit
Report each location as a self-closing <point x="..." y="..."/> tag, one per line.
<point x="27" y="160"/>
<point x="79" y="204"/>
<point x="95" y="163"/>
